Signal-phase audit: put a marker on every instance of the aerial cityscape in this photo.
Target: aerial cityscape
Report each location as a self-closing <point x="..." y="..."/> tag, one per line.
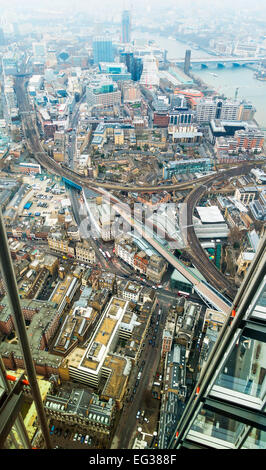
<point x="132" y="226"/>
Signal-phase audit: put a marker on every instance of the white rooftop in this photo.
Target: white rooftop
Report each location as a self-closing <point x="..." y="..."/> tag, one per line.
<point x="210" y="214"/>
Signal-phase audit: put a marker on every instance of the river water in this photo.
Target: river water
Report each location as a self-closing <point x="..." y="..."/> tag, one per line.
<point x="227" y="80"/>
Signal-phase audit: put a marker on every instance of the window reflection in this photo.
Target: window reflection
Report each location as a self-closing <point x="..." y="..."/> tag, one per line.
<point x="13" y="440"/>
<point x="255" y="440"/>
<point x="217" y="426"/>
<point x="245" y="369"/>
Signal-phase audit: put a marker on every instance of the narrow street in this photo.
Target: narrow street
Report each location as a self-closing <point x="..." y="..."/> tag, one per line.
<point x="128" y="424"/>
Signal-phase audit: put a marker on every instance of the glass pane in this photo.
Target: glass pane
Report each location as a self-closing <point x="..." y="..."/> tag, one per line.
<point x="245" y="370"/>
<point x="13" y="440"/>
<point x="255" y="440"/>
<point x="259" y="310"/>
<point x="217" y="426"/>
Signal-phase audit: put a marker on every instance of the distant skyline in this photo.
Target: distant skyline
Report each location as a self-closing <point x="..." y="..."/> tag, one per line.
<point x="114" y="6"/>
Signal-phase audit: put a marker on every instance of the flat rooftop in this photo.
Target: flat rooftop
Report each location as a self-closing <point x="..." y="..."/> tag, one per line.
<point x="211" y="214"/>
<point x="98" y="347"/>
<point x="61" y="290"/>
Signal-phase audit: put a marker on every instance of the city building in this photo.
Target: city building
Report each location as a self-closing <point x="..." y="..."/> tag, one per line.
<point x="126" y="26"/>
<point x="137" y="69"/>
<point x="115" y="71"/>
<point x="187" y="61"/>
<point x="175" y="390"/>
<point x="208" y="109"/>
<point x="188" y="133"/>
<point x="102" y="49"/>
<point x="179" y="117"/>
<point x="103" y="91"/>
<point x="85" y="252"/>
<point x="246" y="194"/>
<point x="156" y="268"/>
<point x="246" y="112"/>
<point x="249" y="140"/>
<point x="131" y="93"/>
<point x="186" y="166"/>
<point x="79" y="406"/>
<point x="150" y="75"/>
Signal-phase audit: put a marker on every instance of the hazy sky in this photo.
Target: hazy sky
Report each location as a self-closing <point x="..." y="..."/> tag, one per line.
<point x="121" y="4"/>
<point x="113" y="7"/>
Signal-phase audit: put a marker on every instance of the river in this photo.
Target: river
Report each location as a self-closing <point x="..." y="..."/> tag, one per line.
<point x="227" y="80"/>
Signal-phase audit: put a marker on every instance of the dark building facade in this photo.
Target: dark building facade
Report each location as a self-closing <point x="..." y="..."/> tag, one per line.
<point x="126" y="26"/>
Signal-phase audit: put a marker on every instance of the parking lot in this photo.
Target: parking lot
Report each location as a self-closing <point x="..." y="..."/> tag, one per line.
<point x="66" y="437"/>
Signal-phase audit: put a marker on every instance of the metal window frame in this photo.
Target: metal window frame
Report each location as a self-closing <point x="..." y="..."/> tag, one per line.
<point x="244" y="303"/>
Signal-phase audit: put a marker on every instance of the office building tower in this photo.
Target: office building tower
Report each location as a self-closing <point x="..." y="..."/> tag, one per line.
<point x="134" y="64"/>
<point x="115" y="71"/>
<point x="187" y="61"/>
<point x="126" y="26"/>
<point x="16" y="30"/>
<point x="137" y="69"/>
<point x="2" y="37"/>
<point x="150" y="74"/>
<point x="39" y="51"/>
<point x="127" y="58"/>
<point x="102" y="50"/>
<point x="208" y="109"/>
<point x="103" y="92"/>
<point x="9" y="64"/>
<point x="246" y="112"/>
<point x="226" y="410"/>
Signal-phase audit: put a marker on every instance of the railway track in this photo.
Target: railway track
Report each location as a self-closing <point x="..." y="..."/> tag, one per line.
<point x="196" y="252"/>
<point x="48" y="163"/>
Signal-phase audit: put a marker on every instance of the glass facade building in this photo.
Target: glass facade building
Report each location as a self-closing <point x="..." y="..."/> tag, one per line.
<point x="226" y="410"/>
<point x="102" y="50"/>
<point x="186" y="166"/>
<point x="126" y="26"/>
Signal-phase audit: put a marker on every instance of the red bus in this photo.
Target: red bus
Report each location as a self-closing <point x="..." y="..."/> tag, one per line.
<point x="183" y="294"/>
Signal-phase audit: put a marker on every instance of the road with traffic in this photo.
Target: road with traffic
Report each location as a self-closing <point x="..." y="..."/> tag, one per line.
<point x="206" y="291"/>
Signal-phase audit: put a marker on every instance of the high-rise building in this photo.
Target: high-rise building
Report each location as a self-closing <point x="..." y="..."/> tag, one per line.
<point x="103" y="92"/>
<point x="126" y="26"/>
<point x="246" y="112"/>
<point x="128" y="59"/>
<point x="208" y="109"/>
<point x="102" y="50"/>
<point x="226" y="410"/>
<point x="39" y="51"/>
<point x="150" y="73"/>
<point x="2" y="37"/>
<point x="187" y="61"/>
